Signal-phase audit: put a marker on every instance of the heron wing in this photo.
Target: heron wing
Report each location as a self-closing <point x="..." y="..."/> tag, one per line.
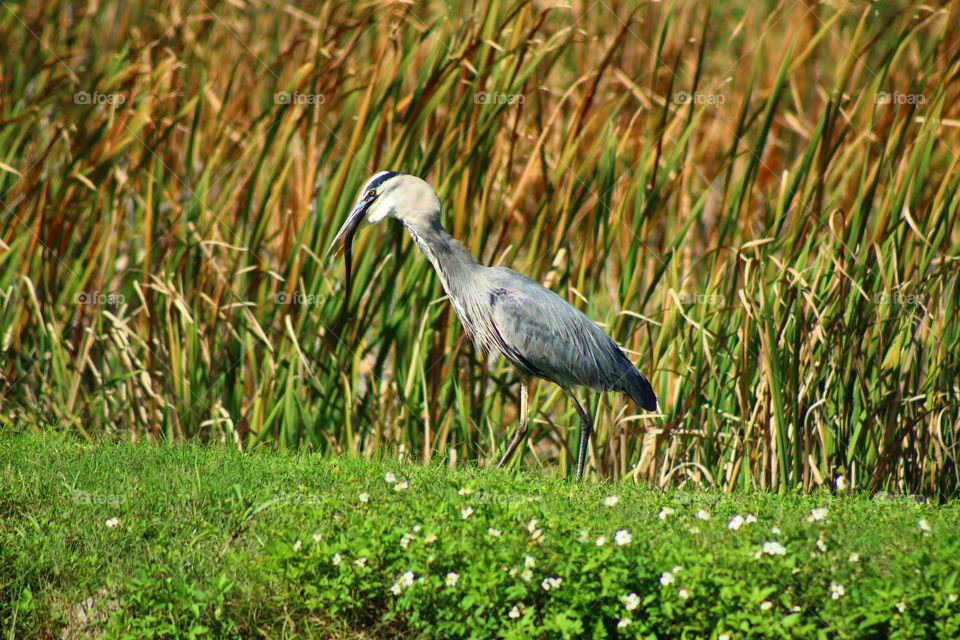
<point x="541" y="333"/>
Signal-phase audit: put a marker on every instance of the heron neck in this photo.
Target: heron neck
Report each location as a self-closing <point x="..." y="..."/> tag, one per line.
<point x="450" y="259"/>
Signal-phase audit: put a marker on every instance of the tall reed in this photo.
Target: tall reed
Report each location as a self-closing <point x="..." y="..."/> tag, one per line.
<point x="759" y="204"/>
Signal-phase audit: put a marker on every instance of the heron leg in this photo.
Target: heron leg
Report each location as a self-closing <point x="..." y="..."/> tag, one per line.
<point x="586" y="428"/>
<point x="521" y="431"/>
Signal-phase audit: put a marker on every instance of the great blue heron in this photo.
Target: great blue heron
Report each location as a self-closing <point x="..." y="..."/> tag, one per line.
<point x="503" y="312"/>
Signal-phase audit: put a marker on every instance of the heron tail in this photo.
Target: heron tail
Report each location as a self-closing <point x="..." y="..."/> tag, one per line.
<point x="638" y="388"/>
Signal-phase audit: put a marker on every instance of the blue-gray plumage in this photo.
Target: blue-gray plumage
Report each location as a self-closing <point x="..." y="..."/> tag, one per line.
<point x="504" y="313"/>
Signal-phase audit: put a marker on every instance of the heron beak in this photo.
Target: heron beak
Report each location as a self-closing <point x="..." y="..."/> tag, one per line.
<point x="344" y="237"/>
<point x="343" y="242"/>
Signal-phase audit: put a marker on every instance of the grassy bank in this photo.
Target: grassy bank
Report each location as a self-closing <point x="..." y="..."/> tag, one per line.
<point x="187" y="541"/>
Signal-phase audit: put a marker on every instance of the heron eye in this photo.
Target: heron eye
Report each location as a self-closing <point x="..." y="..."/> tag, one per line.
<point x="371" y="193"/>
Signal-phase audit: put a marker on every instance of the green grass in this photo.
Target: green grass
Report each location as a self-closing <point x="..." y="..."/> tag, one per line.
<point x="778" y="253"/>
<point x="206" y="545"/>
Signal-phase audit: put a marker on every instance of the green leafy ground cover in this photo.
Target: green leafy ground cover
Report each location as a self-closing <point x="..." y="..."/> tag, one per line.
<point x="209" y="542"/>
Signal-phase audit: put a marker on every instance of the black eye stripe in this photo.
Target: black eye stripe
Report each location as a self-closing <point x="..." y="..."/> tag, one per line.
<point x="379" y="180"/>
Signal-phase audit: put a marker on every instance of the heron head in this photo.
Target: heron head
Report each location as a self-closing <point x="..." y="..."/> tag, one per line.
<point x="387" y="194"/>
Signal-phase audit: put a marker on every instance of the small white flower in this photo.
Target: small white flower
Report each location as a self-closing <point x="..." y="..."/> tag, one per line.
<point x="666" y="578"/>
<point x="951" y="597"/>
<point x="853" y="557"/>
<point x="389" y="478"/>
<point x="336" y="559"/>
<point x="676" y="569"/>
<point x="112" y="522"/>
<point x="364" y="497"/>
<point x="429" y="539"/>
<point x="317" y="537"/>
<point x="775" y="530"/>
<point x="774" y="548"/>
<point x="496" y="533"/>
<point x="602" y="540"/>
<point x="735" y="523"/>
<point x="400" y="486"/>
<point x="622" y="537"/>
<point x="405" y="540"/>
<point x="723" y="636"/>
<point x="842" y="483"/>
<point x="465" y="491"/>
<point x="631" y="601"/>
<point x="820" y="513"/>
<point x="611" y="501"/>
<point x="395" y="588"/>
<point x="536" y="534"/>
<point x="837" y="591"/>
<point x="529" y="562"/>
<point x="694" y="530"/>
<point x="796" y="608"/>
<point x="297" y="545"/>
<point x="452" y="578"/>
<point x="822" y="544"/>
<point x="901" y="606"/>
<point x="406" y="579"/>
<point x="416" y="528"/>
<point x="584" y="536"/>
<point x="766" y="605"/>
<point x="361" y="561"/>
<point x="466" y="512"/>
<point x="514" y="613"/>
<point x="526" y="575"/>
<point x="924" y="525"/>
<point x="550" y="583"/>
<point x="683" y="594"/>
<point x="532" y="525"/>
<point x="750" y="519"/>
<point x="624" y="623"/>
<point x="703" y="514"/>
<point x="666" y="512"/>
